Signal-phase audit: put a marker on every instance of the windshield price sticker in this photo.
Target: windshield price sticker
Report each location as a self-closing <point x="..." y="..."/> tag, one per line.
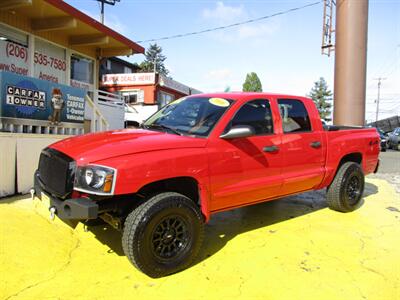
<point x="219" y="102"/>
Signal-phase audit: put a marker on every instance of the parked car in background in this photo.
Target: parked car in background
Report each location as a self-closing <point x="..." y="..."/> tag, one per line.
<point x="394" y="139"/>
<point x="384" y="139"/>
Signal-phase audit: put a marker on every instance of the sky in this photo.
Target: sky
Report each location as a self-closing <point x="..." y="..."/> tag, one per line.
<point x="284" y="51"/>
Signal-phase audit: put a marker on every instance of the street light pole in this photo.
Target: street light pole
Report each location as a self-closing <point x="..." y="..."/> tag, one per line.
<point x="102" y="12"/>
<point x="110" y="2"/>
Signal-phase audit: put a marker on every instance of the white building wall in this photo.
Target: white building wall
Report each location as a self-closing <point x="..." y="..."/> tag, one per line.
<point x="19" y="158"/>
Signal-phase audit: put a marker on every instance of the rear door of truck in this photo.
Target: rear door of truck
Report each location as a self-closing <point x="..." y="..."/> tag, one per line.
<point x="303" y="145"/>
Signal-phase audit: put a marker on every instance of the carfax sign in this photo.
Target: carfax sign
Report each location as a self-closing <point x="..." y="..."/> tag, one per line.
<point x="30" y="98"/>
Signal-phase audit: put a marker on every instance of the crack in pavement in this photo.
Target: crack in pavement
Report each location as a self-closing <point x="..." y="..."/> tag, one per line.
<point x="62" y="268"/>
<point x="362" y="262"/>
<point x="346" y="271"/>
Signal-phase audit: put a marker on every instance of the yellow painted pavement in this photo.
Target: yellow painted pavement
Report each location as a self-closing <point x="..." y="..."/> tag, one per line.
<point x="293" y="248"/>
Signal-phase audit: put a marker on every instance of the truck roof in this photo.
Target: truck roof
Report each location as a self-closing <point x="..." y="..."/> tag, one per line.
<point x="246" y="95"/>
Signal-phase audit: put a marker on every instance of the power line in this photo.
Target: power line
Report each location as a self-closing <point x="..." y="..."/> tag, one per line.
<point x="231" y="25"/>
<point x="391" y="61"/>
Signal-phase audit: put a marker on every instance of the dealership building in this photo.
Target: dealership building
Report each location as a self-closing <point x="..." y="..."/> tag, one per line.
<point x="50" y="56"/>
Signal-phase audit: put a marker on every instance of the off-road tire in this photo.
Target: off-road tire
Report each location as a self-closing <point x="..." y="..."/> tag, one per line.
<point x="153" y="221"/>
<point x="346" y="190"/>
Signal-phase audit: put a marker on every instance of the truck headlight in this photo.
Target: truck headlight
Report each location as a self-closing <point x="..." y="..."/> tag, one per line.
<point x="95" y="179"/>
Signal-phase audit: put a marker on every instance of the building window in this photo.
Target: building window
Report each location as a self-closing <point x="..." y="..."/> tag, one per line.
<point x="164" y="98"/>
<point x="127" y="70"/>
<point x="81" y="69"/>
<point x="14" y="36"/>
<point x="133" y="97"/>
<point x="49" y="62"/>
<point x="13" y="51"/>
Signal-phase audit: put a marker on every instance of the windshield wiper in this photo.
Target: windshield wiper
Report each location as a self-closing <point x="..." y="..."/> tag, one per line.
<point x="173" y="130"/>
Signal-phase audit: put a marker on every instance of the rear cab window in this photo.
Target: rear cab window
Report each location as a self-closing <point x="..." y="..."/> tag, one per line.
<point x="294" y="116"/>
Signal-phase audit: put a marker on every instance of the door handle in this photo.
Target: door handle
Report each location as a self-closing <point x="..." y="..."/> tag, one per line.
<point x="316" y="144"/>
<point x="272" y="148"/>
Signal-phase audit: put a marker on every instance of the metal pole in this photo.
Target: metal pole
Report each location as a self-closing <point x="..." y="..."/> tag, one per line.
<point x="102" y="12"/>
<point x="350" y="62"/>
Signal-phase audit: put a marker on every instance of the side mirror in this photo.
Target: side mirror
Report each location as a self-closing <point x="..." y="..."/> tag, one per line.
<point x="239" y="131"/>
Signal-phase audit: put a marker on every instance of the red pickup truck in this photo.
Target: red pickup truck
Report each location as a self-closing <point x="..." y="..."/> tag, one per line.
<point x="197" y="156"/>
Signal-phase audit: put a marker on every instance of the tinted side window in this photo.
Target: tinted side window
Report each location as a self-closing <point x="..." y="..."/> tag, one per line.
<point x="294" y="116"/>
<point x="255" y="113"/>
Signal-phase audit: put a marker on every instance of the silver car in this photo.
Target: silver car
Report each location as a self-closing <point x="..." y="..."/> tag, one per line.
<point x="394" y="139"/>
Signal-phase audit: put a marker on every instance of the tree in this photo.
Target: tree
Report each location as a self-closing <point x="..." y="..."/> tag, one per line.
<point x="154" y="54"/>
<point x="252" y="83"/>
<point x="321" y="96"/>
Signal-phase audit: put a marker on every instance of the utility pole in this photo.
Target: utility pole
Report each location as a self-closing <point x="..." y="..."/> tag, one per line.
<point x="109" y="2"/>
<point x="379" y="96"/>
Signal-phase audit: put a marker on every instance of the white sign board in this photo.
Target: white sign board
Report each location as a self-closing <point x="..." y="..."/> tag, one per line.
<point x="174" y="85"/>
<point x="14" y="58"/>
<point x="128" y="79"/>
<point x="49" y="62"/>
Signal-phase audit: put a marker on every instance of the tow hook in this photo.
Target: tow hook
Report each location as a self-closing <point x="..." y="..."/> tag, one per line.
<point x="112" y="220"/>
<point x="52" y="212"/>
<point x="32" y="191"/>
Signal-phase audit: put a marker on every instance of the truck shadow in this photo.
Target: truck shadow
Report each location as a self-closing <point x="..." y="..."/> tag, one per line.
<point x="370" y="189"/>
<point x="225" y="226"/>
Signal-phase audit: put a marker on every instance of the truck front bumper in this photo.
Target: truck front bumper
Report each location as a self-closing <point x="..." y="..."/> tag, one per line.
<point x="69" y="209"/>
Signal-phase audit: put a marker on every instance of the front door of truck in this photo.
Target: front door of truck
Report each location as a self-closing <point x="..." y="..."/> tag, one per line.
<point x="244" y="170"/>
<point x="302" y="147"/>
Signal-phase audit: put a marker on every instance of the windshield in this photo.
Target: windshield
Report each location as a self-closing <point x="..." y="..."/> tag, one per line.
<point x="189" y="116"/>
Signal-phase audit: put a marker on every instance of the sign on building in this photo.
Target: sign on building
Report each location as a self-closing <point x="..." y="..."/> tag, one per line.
<point x="174" y="85"/>
<point x="44" y="101"/>
<point x="128" y="79"/>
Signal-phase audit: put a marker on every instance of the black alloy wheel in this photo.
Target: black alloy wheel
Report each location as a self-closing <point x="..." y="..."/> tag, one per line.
<point x="164" y="234"/>
<point x="353" y="190"/>
<point x="170" y="237"/>
<point x="345" y="192"/>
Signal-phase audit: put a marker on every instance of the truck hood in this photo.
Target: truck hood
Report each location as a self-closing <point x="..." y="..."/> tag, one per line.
<point x="94" y="147"/>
